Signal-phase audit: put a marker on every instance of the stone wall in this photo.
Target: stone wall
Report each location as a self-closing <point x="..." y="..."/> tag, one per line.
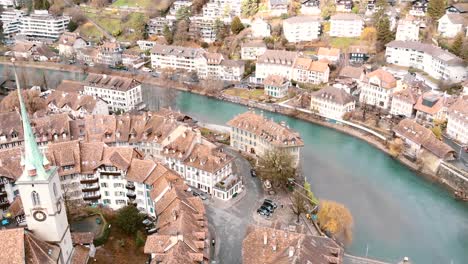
<point x="455" y="178"/>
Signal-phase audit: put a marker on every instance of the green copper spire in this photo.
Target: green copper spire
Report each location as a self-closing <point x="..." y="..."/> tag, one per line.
<point x="35" y="164"/>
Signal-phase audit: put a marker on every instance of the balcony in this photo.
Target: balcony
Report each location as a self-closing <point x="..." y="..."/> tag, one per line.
<point x="90" y="188"/>
<point x="131" y="195"/>
<point x="89" y="179"/>
<point x="92" y="197"/>
<point x="130" y="186"/>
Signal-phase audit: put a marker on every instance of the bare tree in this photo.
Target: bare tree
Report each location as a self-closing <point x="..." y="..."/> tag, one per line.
<point x="299" y="203"/>
<point x="212" y="87"/>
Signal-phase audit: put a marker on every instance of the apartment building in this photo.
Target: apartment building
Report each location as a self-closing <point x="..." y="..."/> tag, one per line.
<point x="276" y="86"/>
<point x="252" y="50"/>
<point x="109" y="53"/>
<point x="146" y="44"/>
<point x="222" y="8"/>
<point x="407" y="30"/>
<point x="302" y="28"/>
<point x="11" y="20"/>
<point x="331" y="102"/>
<point x="310" y="7"/>
<point x="156" y="25"/>
<point x="403" y="102"/>
<point x="178" y="4"/>
<point x="257" y="135"/>
<point x="9" y="3"/>
<point x="203" y="28"/>
<point x="305" y="70"/>
<point x="346" y="25"/>
<point x="452" y="24"/>
<point x="457" y="121"/>
<point x="277" y="7"/>
<point x="377" y="89"/>
<point x="43" y="26"/>
<point x="206" y="65"/>
<point x="438" y="63"/>
<point x="432" y="106"/>
<point x="120" y="93"/>
<point x="275" y="62"/>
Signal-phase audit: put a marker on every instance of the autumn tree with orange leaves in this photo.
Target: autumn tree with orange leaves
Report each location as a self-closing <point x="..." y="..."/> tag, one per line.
<point x="336" y="219"/>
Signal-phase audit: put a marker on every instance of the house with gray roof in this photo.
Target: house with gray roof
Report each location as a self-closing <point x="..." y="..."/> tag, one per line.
<point x="332" y="102"/>
<point x="452" y="24"/>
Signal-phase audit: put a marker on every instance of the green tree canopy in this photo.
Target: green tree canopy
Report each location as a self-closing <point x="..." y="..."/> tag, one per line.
<point x="167" y="33"/>
<point x="436" y="9"/>
<point x="276" y="166"/>
<point x="384" y="34"/>
<point x="129" y="219"/>
<point x="457" y="45"/>
<point x="183" y="13"/>
<point x="236" y="25"/>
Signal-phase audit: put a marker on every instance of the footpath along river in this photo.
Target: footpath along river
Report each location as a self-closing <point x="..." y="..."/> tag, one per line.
<point x="396" y="212"/>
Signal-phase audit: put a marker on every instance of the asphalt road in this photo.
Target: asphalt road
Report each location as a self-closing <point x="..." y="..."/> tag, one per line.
<point x="231" y="220"/>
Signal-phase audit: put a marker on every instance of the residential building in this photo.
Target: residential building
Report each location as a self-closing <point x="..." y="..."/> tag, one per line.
<point x="419" y="8"/>
<point x="75" y="104"/>
<point x="260" y="28"/>
<point x="87" y="56"/>
<point x="132" y="58"/>
<point x="275" y="62"/>
<point x="11" y="20"/>
<point x="344" y="5"/>
<point x="331" y="55"/>
<point x="377" y="89"/>
<point x="34" y="51"/>
<point x="432" y="106"/>
<point x="452" y="24"/>
<point x="267" y="245"/>
<point x="222" y="8"/>
<point x="346" y="25"/>
<point x="43" y="26"/>
<point x="156" y="25"/>
<point x="177" y="57"/>
<point x="9" y="3"/>
<point x="277" y="7"/>
<point x="358" y="53"/>
<point x="349" y="85"/>
<point x="252" y="50"/>
<point x="257" y="134"/>
<point x="310" y="7"/>
<point x="306" y="70"/>
<point x="69" y="43"/>
<point x="332" y="102"/>
<point x="109" y="53"/>
<point x="276" y="86"/>
<point x="403" y="102"/>
<point x="418" y="139"/>
<point x="355" y="73"/>
<point x="178" y="4"/>
<point x="458" y="8"/>
<point x="302" y="28"/>
<point x="203" y="28"/>
<point x="407" y="30"/>
<point x="216" y="67"/>
<point x="146" y="44"/>
<point x="120" y="93"/>
<point x="457" y="122"/>
<point x="438" y="63"/>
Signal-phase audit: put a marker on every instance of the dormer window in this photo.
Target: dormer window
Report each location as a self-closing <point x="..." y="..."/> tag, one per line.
<point x="14" y="135"/>
<point x="55" y="136"/>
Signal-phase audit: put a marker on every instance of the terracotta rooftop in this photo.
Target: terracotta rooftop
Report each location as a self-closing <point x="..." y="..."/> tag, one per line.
<point x="407" y="95"/>
<point x="264" y="245"/>
<point x="274" y="133"/>
<point x="275" y="80"/>
<point x="10" y="163"/>
<point x="328" y="52"/>
<point x="73" y="100"/>
<point x="82" y="238"/>
<point x="431" y="103"/>
<point x="386" y="79"/>
<point x="111" y="82"/>
<point x="80" y="255"/>
<point x="70" y="86"/>
<point x="310" y="65"/>
<point x="420" y="135"/>
<point x="11" y="127"/>
<point x="352" y="72"/>
<point x="459" y="110"/>
<point x="65" y="154"/>
<point x="278" y="57"/>
<point x="208" y="157"/>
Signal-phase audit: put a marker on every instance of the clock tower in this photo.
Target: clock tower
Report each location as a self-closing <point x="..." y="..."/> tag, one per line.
<point x="41" y="192"/>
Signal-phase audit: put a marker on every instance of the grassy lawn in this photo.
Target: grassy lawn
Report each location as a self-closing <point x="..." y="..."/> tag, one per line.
<point x="255" y="94"/>
<point x="158" y="4"/>
<point x="343" y="43"/>
<point x="89" y="31"/>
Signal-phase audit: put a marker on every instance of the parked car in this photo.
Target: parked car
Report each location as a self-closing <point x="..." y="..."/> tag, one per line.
<point x="253" y="173"/>
<point x="263" y="212"/>
<point x="269" y="207"/>
<point x="199" y="194"/>
<point x="147" y="222"/>
<point x="270" y="202"/>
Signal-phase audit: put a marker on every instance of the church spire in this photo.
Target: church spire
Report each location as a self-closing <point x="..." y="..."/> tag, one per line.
<point x="35" y="164"/>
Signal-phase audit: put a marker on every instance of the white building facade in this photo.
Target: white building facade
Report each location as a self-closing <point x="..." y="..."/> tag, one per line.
<point x="302" y="28"/>
<point x="346" y="25"/>
<point x="43" y="26"/>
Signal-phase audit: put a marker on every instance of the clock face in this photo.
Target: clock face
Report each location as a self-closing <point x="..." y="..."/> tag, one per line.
<point x="59" y="207"/>
<point x="39" y="216"/>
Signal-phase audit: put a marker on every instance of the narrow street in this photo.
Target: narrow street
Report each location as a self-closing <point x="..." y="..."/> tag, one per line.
<point x="231" y="219"/>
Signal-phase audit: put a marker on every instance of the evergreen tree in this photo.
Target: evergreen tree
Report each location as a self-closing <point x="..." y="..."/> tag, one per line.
<point x="183" y="14"/>
<point x="436" y="9"/>
<point x="167" y="33"/>
<point x="249" y="7"/>
<point x="220" y="30"/>
<point x="384" y="34"/>
<point x="457" y="45"/>
<point x="236" y="25"/>
<point x="41" y="5"/>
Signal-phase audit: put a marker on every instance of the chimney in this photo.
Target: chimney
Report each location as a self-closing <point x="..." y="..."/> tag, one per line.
<point x="174" y="214"/>
<point x="265" y="239"/>
<point x="274" y="247"/>
<point x="291" y="251"/>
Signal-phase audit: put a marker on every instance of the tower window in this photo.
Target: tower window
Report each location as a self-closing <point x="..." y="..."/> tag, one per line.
<point x="35" y="198"/>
